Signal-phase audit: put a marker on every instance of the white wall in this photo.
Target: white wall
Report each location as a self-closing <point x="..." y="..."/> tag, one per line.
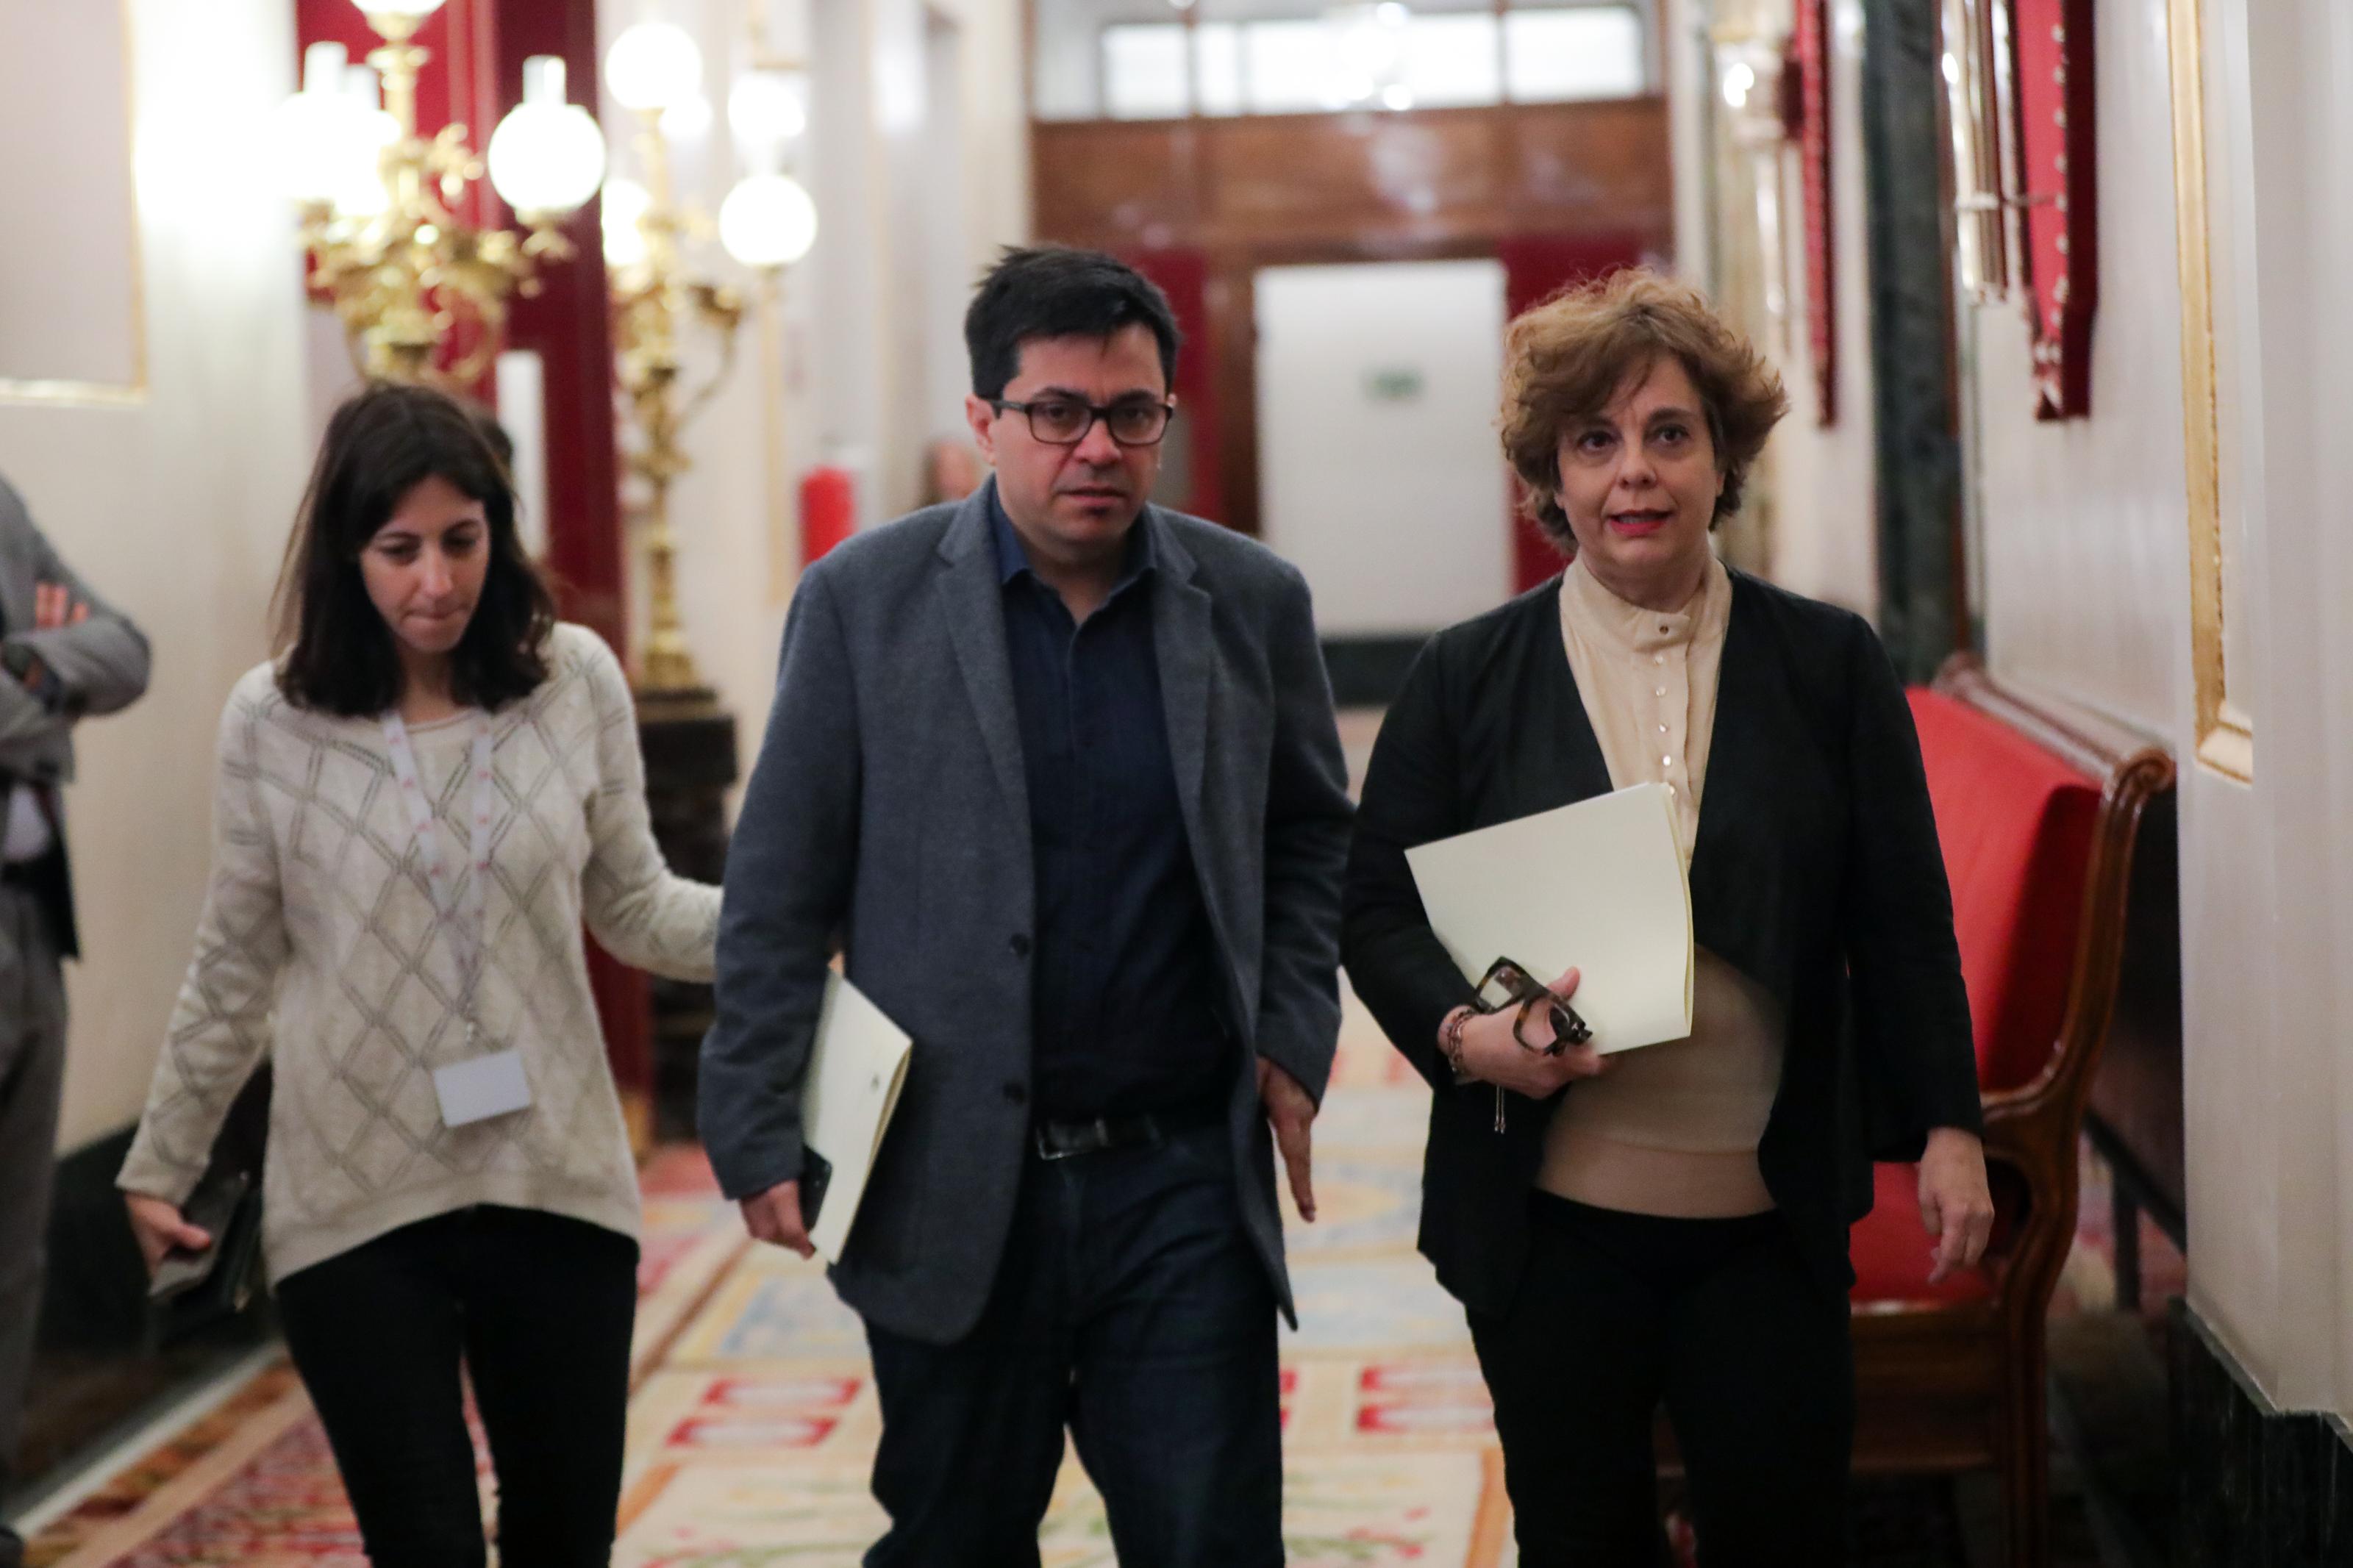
<point x="858" y="367"/>
<point x="2087" y="564"/>
<point x="2281" y="127"/>
<point x="1825" y="533"/>
<point x="176" y="508"/>
<point x="1392" y="506"/>
<point x="2084" y="520"/>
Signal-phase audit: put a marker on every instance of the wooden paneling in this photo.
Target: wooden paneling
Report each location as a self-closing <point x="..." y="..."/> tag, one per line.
<point x="1579" y="166"/>
<point x="1116" y="186"/>
<point x="1344" y="174"/>
<point x="1442" y="177"/>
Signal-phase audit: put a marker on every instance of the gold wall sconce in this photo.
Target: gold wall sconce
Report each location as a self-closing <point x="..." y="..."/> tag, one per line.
<point x="387" y="251"/>
<point x="765" y="223"/>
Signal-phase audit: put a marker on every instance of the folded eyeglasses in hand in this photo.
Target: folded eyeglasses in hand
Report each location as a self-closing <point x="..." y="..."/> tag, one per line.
<point x="1507" y="983"/>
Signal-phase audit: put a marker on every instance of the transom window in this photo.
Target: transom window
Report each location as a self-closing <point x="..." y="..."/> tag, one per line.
<point x="1381" y="55"/>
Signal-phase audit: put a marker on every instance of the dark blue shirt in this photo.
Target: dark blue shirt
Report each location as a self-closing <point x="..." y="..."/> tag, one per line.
<point x="1123" y="969"/>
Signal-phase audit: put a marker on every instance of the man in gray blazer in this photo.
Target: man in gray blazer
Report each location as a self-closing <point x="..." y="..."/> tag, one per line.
<point x="1058" y="769"/>
<point x="64" y="656"/>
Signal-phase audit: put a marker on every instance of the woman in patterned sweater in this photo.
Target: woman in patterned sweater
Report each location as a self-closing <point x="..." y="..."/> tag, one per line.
<point x="419" y="802"/>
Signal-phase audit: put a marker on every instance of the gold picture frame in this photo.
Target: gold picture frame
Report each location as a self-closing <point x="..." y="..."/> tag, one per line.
<point x="2225" y="731"/>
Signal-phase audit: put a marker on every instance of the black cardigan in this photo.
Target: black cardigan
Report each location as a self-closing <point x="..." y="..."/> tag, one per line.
<point x="1817" y="874"/>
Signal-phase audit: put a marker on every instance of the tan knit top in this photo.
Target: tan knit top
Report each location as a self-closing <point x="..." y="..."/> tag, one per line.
<point x="1670" y="1128"/>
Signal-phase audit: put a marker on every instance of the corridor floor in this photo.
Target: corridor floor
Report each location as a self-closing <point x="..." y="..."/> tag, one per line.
<point x="754" y="1420"/>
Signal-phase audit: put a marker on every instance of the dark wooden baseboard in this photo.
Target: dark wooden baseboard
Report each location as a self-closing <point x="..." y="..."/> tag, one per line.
<point x="95" y="1295"/>
<point x="2260" y="1486"/>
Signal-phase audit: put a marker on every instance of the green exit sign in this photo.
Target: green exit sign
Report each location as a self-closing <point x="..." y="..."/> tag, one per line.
<point x="1393" y="383"/>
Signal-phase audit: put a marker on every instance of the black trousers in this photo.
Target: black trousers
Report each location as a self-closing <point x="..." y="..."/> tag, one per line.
<point x="1721" y="1320"/>
<point x="539" y="1308"/>
<point x="1130" y="1308"/>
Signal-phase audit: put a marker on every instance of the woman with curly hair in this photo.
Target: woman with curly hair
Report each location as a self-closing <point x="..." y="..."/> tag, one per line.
<point x="1669" y="1224"/>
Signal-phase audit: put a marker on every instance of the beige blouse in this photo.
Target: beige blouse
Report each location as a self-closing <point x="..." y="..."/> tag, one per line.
<point x="1670" y="1128"/>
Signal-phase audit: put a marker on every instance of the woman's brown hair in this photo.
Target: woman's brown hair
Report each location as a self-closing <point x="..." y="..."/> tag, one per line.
<point x="336" y="655"/>
<point x="1566" y="361"/>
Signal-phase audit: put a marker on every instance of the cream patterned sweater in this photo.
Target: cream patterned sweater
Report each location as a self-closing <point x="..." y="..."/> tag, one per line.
<point x="321" y="946"/>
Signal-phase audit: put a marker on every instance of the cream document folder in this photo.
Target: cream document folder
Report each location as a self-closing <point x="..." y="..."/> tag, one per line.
<point x="855" y="1073"/>
<point x="1597" y="886"/>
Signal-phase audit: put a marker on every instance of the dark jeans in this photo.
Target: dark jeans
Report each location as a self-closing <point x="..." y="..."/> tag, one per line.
<point x="1718" y="1318"/>
<point x="1130" y="1306"/>
<point x="539" y="1307"/>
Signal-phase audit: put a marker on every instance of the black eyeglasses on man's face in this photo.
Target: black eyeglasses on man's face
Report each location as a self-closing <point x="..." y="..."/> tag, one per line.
<point x="1065" y="421"/>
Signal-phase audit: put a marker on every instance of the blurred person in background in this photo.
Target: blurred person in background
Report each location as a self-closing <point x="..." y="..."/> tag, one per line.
<point x="64" y="657"/>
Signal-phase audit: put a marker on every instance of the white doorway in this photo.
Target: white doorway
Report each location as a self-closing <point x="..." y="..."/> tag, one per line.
<point x="1380" y="475"/>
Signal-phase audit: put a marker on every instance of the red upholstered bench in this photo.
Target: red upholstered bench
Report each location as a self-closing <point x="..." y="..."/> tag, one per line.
<point x="2037" y="808"/>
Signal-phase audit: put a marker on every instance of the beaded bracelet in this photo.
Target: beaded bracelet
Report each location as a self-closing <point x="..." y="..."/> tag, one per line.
<point x="1449" y="1038"/>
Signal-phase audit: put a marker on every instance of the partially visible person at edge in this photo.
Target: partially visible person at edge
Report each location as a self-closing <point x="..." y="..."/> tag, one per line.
<point x="1670" y="1223"/>
<point x="1061" y="768"/>
<point x="417" y="804"/>
<point x="65" y="656"/>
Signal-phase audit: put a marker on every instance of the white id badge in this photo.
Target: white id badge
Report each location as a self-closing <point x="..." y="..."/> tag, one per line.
<point x="486" y="1087"/>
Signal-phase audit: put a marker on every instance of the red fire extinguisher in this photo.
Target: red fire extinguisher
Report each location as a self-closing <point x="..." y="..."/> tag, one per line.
<point x="829" y="510"/>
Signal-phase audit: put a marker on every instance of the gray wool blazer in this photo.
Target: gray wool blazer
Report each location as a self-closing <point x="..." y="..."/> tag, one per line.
<point x="888" y="808"/>
<point x="101" y="661"/>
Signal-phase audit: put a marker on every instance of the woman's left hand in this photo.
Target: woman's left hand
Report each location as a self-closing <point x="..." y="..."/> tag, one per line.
<point x="1955" y="1203"/>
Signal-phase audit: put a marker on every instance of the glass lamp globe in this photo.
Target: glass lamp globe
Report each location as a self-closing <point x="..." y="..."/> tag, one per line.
<point x="360" y="133"/>
<point x="766" y="109"/>
<point x="768" y="220"/>
<point x="304" y="150"/>
<point x="626" y="202"/>
<point x="653" y="66"/>
<point x="546" y="155"/>
<point x="412" y="9"/>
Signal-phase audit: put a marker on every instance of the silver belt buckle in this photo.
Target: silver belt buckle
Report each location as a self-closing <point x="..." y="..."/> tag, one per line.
<point x="1100" y="1127"/>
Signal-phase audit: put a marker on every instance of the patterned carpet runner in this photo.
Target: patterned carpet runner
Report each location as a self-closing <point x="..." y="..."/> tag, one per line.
<point x="754" y="1420"/>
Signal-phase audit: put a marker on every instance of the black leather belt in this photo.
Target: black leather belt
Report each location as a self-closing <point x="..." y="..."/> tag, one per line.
<point x="1096" y="1135"/>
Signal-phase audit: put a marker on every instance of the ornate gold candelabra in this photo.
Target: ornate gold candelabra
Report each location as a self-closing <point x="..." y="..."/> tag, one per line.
<point x="652" y="296"/>
<point x="387" y="252"/>
<point x="765" y="223"/>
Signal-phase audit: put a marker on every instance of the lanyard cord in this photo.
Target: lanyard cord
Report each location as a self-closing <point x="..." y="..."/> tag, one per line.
<point x="468" y="929"/>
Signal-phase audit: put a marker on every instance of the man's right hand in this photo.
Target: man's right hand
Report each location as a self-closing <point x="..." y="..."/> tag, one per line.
<point x="161" y="1229"/>
<point x="774" y="1216"/>
<point x="54" y="606"/>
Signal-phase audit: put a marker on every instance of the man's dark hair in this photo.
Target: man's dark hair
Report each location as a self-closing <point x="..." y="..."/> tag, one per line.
<point x="1054" y="291"/>
<point x="337" y="653"/>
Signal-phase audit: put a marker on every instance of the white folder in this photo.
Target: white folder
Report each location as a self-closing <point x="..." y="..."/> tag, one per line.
<point x="1598" y="885"/>
<point x="855" y="1073"/>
